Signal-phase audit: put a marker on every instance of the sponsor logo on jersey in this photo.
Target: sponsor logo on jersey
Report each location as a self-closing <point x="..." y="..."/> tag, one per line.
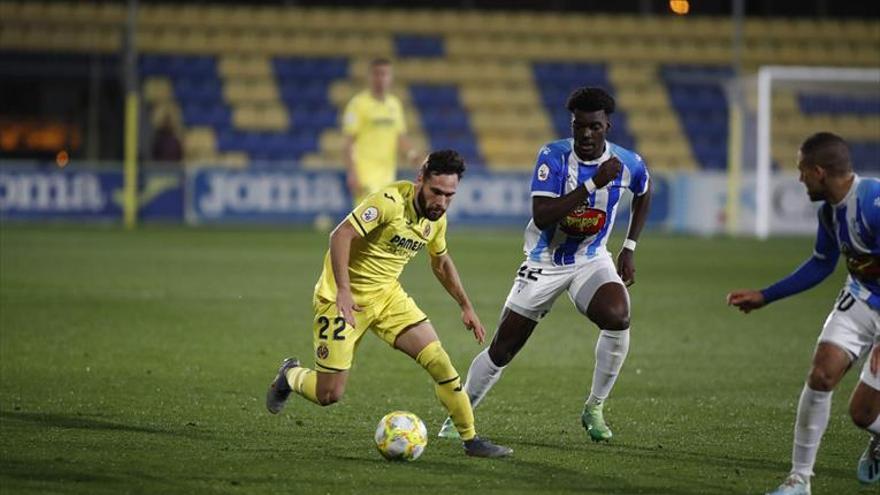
<point x="370" y="214"/>
<point x="864" y="267"/>
<point x="403" y="243"/>
<point x="543" y="172"/>
<point x="383" y="122"/>
<point x="583" y="222"/>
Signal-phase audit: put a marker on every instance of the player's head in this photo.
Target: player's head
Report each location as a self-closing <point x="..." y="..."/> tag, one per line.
<point x="823" y="157"/>
<point x="380" y="76"/>
<point x="590" y="111"/>
<point x="437" y="182"/>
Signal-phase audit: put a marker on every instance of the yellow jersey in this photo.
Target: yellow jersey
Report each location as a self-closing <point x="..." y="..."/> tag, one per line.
<point x="393" y="233"/>
<point x="376" y="127"/>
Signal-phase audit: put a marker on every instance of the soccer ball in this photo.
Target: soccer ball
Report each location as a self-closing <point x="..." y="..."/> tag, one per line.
<point x="401" y="436"/>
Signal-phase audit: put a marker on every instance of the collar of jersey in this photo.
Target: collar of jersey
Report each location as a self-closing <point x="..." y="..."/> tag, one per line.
<point x="605" y="155"/>
<point x="410" y="201"/>
<point x="852" y="189"/>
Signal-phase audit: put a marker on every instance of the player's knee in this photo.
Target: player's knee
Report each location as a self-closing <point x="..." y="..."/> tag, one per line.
<point x="821" y="380"/>
<point x="614" y="317"/>
<point x="863" y="415"/>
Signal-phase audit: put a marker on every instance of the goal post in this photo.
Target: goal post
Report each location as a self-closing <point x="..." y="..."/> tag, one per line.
<point x="771" y="112"/>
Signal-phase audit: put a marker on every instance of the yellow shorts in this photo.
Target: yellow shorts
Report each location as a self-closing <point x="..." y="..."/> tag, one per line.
<point x="335" y="342"/>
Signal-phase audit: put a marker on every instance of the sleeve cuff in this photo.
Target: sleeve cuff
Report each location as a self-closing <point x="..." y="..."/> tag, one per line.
<point x="352" y="219"/>
<point x="545" y="194"/>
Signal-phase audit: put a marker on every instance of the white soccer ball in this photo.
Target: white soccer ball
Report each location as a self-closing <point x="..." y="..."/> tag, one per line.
<point x="401" y="436"/>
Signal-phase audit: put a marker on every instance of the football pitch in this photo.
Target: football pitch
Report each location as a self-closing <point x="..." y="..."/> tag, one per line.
<point x="137" y="362"/>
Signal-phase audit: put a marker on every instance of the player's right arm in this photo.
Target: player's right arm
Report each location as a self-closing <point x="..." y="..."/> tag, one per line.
<point x="340" y="253"/>
<point x="548" y="207"/>
<point x="375" y="210"/>
<point x="807" y="276"/>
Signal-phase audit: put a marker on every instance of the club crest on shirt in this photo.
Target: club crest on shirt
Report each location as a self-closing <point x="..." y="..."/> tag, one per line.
<point x="427" y="230"/>
<point x="543" y="172"/>
<point x="322" y="351"/>
<point x="583" y="222"/>
<point x="370" y="214"/>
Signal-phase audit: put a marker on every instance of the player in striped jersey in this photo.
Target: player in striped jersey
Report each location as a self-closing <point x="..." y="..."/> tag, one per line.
<point x="577" y="187"/>
<point x="849" y="224"/>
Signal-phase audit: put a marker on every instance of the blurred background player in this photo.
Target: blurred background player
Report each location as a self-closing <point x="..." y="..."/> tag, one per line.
<point x="359" y="290"/>
<point x="375" y="129"/>
<point x="849" y="222"/>
<point x="576" y="189"/>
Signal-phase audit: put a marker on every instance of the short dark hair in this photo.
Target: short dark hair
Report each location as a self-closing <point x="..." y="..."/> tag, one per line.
<point x="444" y="162"/>
<point x="828" y="151"/>
<point x="379" y="61"/>
<point x="590" y="99"/>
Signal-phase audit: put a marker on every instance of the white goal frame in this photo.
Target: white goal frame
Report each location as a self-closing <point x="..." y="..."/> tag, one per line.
<point x="768" y="76"/>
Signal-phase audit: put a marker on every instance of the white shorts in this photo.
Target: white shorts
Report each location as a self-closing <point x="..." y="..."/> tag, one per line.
<point x="537" y="285"/>
<point x="868" y="378"/>
<point x="852" y="325"/>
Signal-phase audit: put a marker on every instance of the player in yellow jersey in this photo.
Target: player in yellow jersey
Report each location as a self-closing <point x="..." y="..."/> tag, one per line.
<point x="375" y="129"/>
<point x="359" y="290"/>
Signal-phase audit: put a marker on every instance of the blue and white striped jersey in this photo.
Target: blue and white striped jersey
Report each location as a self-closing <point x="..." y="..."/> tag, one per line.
<point x="852" y="228"/>
<point x="582" y="234"/>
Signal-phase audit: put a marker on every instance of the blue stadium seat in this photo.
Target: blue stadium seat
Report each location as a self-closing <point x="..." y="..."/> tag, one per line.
<point x="408" y="45"/>
<point x="446" y="121"/>
<point x="839" y="104"/>
<point x="699" y="100"/>
<point x="557" y="80"/>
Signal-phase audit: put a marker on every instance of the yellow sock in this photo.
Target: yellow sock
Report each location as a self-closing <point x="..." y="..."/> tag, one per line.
<point x="448" y="388"/>
<point x="304" y="382"/>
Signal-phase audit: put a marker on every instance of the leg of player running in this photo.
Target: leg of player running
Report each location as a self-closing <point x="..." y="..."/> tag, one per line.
<point x="830" y="363"/>
<point x="420" y="343"/>
<point x="512" y="334"/>
<point x="864" y="408"/>
<point x="609" y="310"/>
<point x="319" y="387"/>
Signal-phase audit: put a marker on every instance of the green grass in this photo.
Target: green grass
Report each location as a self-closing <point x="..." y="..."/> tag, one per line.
<point x="138" y="362"/>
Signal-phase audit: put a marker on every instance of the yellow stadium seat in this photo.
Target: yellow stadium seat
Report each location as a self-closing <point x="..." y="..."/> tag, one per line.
<point x="261" y="117"/>
<point x="233" y="159"/>
<point x="199" y="144"/>
<point x="164" y="110"/>
<point x="158" y="89"/>
<point x="262" y="91"/>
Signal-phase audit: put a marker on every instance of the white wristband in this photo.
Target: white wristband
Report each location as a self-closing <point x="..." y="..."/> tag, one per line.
<point x="629" y="244"/>
<point x="590" y="186"/>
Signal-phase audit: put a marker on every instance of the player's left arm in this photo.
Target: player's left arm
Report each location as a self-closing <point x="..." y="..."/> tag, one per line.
<point x="445" y="271"/>
<point x="641" y="204"/>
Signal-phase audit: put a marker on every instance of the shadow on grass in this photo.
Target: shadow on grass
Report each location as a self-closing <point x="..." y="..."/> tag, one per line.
<point x="86" y="423"/>
<point x="42" y="471"/>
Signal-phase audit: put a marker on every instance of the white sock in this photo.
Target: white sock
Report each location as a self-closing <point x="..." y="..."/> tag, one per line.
<point x="611" y="349"/>
<point x="875" y="426"/>
<point x="481" y="376"/>
<point x="814" y="408"/>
